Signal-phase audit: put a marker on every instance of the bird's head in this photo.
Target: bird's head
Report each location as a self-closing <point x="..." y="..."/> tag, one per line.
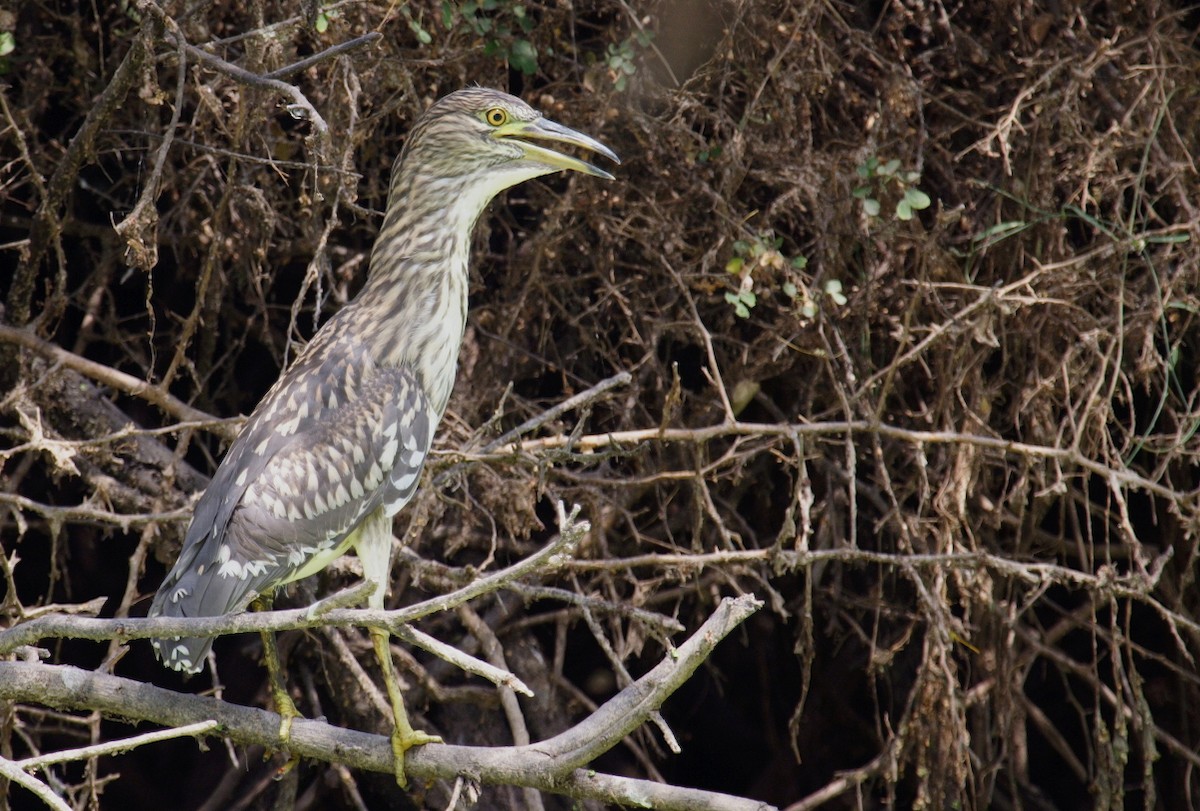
<point x="496" y="140"/>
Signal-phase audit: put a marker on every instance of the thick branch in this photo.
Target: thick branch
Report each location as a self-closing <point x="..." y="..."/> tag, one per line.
<point x="118" y="380"/>
<point x="551" y="765"/>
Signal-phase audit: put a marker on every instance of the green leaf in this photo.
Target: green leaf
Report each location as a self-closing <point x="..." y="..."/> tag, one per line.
<point x="871" y="207"/>
<point x="322" y="25"/>
<point x="861" y="192"/>
<point x="917" y="199"/>
<point x="749" y="298"/>
<point x="999" y="230"/>
<point x="789" y="290"/>
<point x="523" y="56"/>
<point x="888" y="168"/>
<point x="1163" y="239"/>
<point x="735" y="265"/>
<point x="799" y="262"/>
<point x="904" y="210"/>
<point x="833" y="289"/>
<point x="8" y="43"/>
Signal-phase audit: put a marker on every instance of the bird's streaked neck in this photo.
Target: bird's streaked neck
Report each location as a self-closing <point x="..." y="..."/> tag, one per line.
<point x="418" y="274"/>
<point x="430" y="218"/>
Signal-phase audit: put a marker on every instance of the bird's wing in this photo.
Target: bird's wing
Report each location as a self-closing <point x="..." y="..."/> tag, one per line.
<point x="335" y="439"/>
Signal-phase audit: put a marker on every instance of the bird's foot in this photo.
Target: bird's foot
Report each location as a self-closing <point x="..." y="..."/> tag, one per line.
<point x="403" y="740"/>
<point x="287" y="713"/>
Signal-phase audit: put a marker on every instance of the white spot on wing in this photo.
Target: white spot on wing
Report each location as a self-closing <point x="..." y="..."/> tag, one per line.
<point x="389" y="453"/>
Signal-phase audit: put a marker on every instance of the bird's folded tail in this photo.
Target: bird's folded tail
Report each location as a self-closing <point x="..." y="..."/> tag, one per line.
<point x="188" y="593"/>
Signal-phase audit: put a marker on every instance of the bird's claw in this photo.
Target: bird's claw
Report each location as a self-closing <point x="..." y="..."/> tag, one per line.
<point x="287" y="713"/>
<point x="402" y="741"/>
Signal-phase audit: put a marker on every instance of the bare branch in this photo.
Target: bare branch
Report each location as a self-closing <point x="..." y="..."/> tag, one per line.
<point x="13" y="772"/>
<point x="592" y="442"/>
<point x="548" y="558"/>
<point x="570" y="404"/>
<point x="328" y="53"/>
<point x="122" y="382"/>
<point x="116" y="747"/>
<point x="552" y="765"/>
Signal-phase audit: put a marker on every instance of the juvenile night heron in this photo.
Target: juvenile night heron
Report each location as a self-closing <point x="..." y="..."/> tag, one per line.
<point x="336" y="446"/>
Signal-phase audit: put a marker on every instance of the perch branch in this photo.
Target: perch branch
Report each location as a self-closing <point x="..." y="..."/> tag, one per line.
<point x="60" y="626"/>
<point x="552" y="765"/>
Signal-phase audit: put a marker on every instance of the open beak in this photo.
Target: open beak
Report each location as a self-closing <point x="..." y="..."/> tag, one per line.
<point x="543" y="129"/>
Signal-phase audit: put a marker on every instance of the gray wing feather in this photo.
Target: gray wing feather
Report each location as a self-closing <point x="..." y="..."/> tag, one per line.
<point x="337" y="438"/>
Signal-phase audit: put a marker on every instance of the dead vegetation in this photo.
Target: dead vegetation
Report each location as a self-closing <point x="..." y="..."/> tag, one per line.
<point x="951" y="446"/>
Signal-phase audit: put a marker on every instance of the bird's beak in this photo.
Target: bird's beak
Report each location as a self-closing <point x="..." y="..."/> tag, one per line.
<point x="543" y="129"/>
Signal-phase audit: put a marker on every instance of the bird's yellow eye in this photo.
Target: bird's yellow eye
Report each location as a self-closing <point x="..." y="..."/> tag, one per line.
<point x="496" y="117"/>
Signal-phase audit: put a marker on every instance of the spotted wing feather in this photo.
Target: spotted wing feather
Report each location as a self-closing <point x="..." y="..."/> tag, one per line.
<point x="337" y="438"/>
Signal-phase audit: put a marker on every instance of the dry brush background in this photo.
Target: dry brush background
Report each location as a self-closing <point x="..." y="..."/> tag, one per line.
<point x="908" y="297"/>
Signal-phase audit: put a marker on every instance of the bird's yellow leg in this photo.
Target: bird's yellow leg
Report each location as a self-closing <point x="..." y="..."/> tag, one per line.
<point x="404" y="737"/>
<point x="278" y="687"/>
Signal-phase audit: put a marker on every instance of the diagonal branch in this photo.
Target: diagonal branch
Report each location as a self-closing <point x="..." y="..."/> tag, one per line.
<point x="118" y="380"/>
<point x="551" y="765"/>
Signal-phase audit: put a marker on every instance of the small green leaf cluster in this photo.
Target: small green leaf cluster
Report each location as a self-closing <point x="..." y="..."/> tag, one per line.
<point x="880" y="176"/>
<point x="325" y="17"/>
<point x="8" y="40"/>
<point x="621" y="57"/>
<point x="762" y="252"/>
<point x="502" y="24"/>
